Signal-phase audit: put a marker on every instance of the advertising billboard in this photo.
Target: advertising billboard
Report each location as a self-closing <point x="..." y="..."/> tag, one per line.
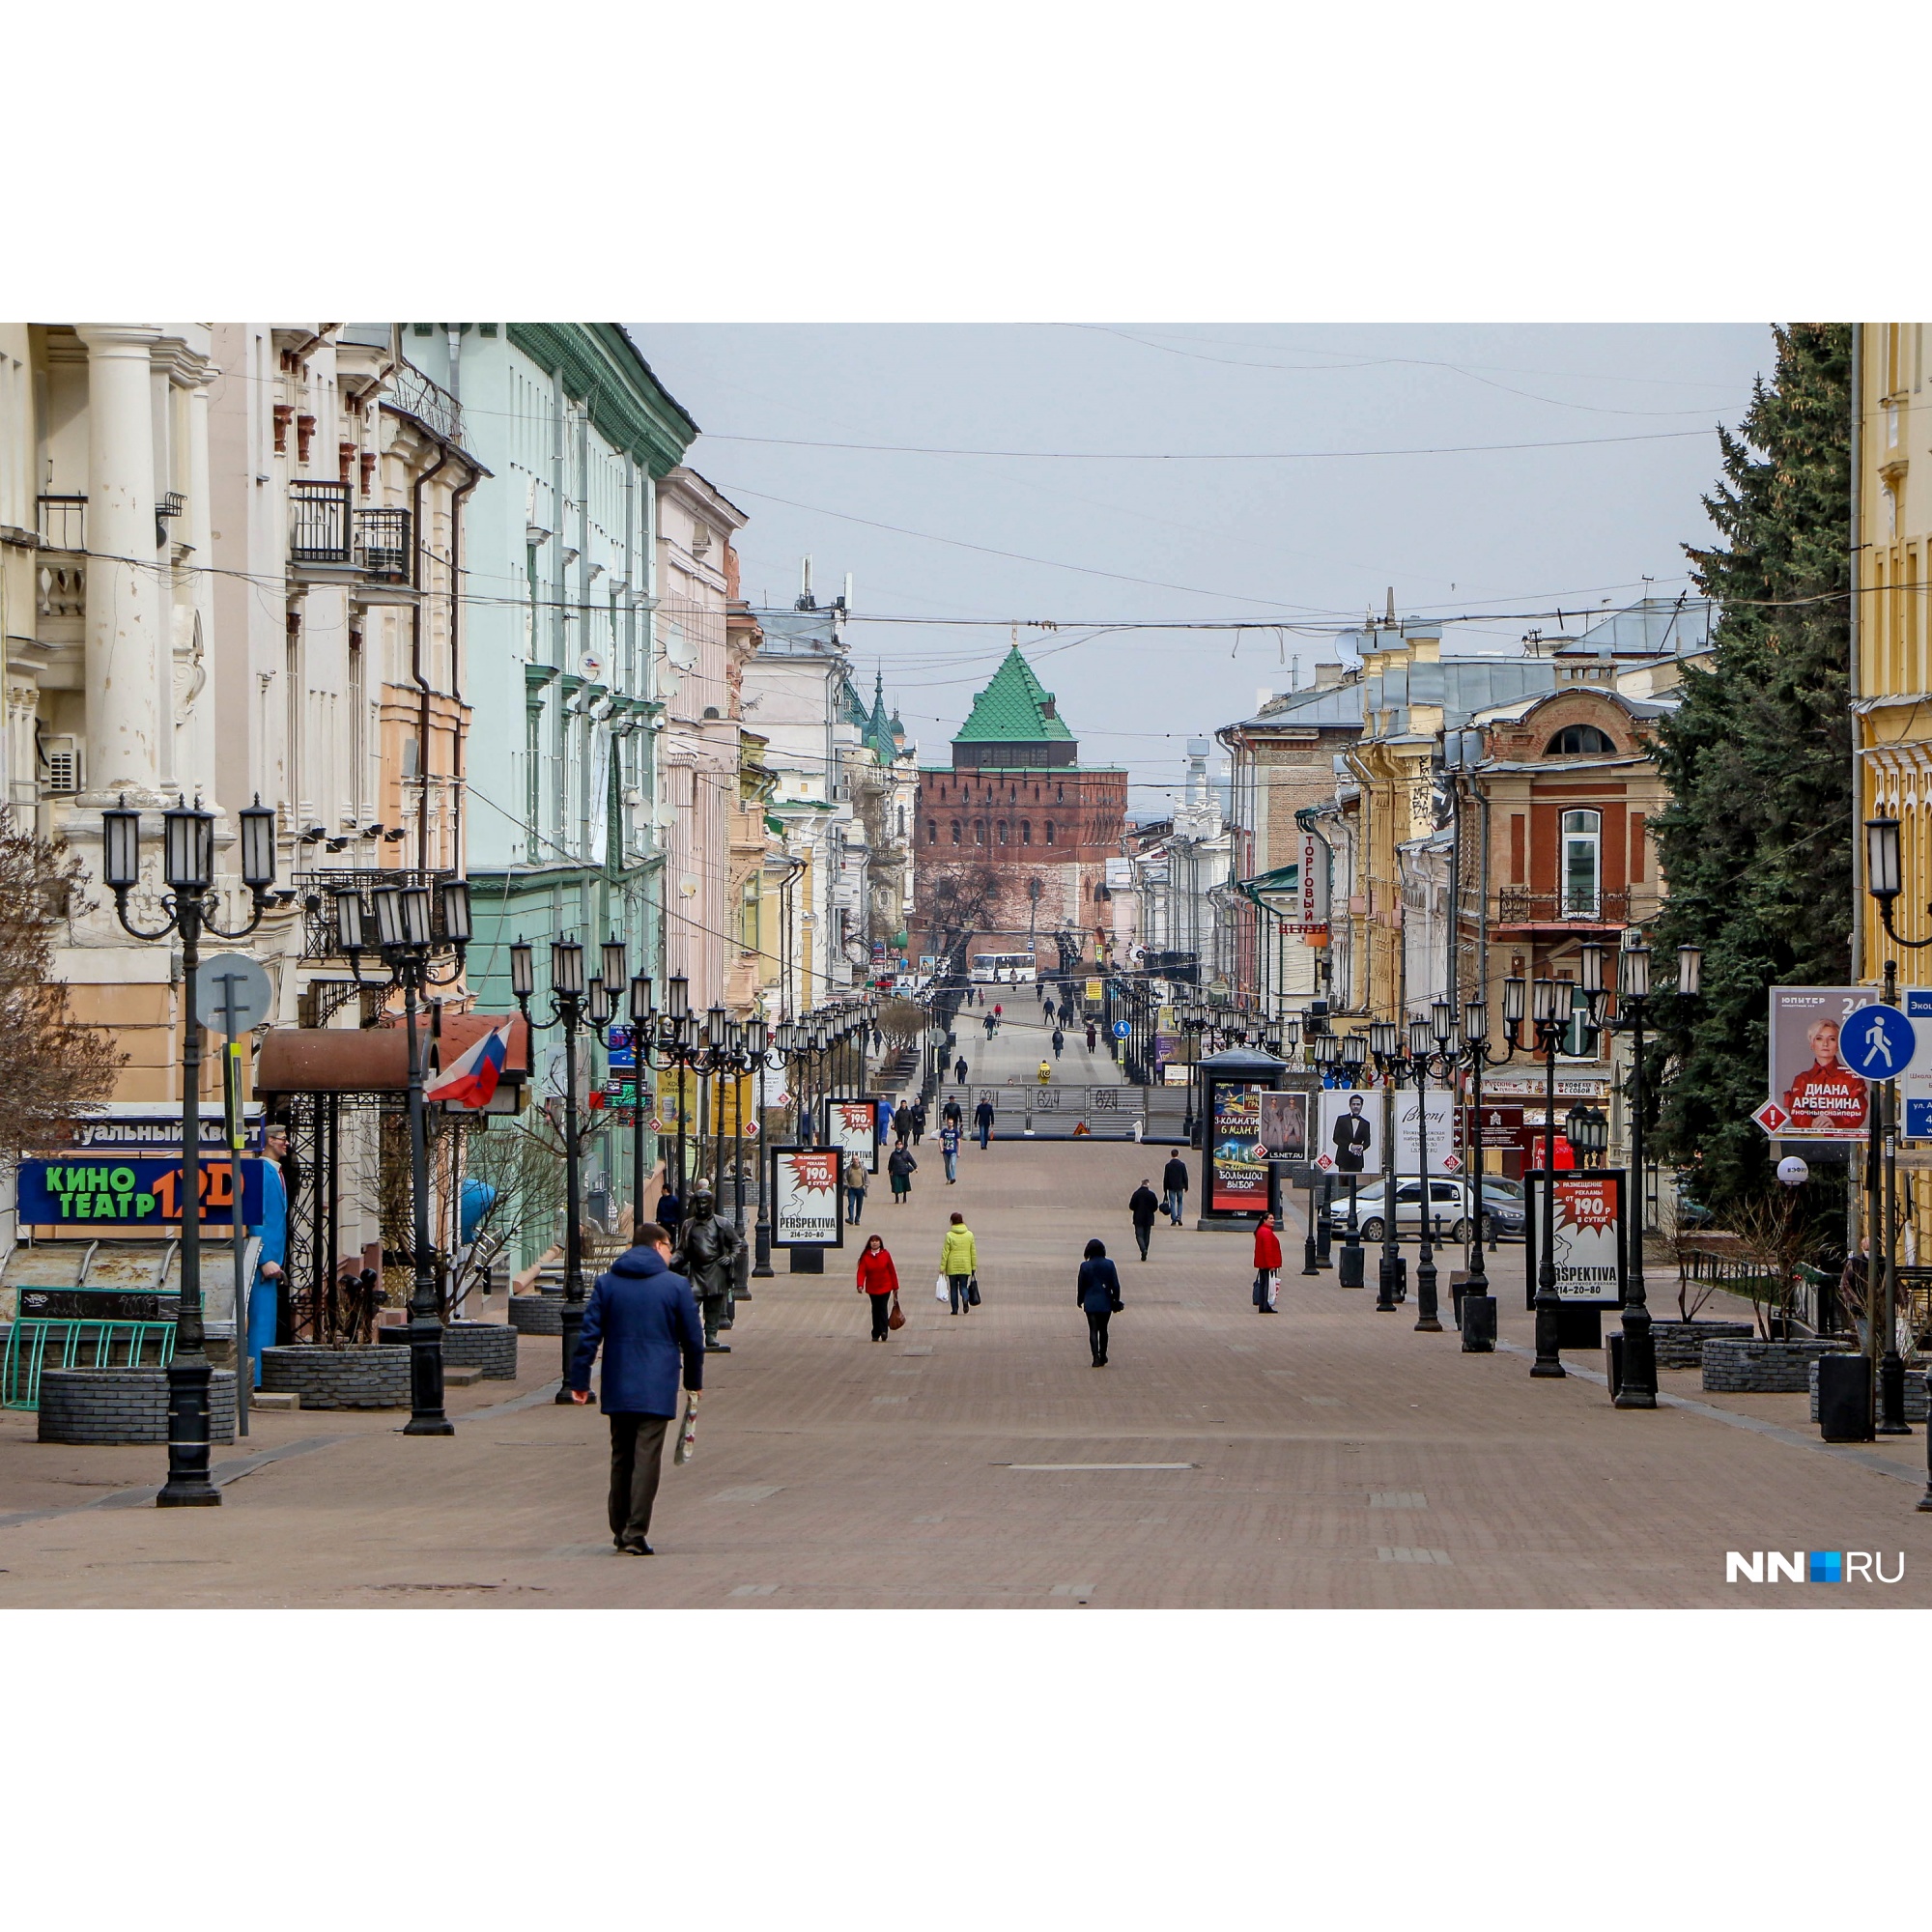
<point x="852" y="1126"/>
<point x="807" y="1199"/>
<point x="1284" y="1128"/>
<point x="1238" y="1182"/>
<point x="132" y="1191"/>
<point x="1821" y="1098"/>
<point x="1350" y="1133"/>
<point x="1588" y="1246"/>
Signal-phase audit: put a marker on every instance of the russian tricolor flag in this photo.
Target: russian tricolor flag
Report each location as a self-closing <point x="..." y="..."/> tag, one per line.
<point x="470" y="1079"/>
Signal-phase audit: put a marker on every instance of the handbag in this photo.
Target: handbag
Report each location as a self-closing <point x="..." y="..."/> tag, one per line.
<point x="973" y="1290"/>
<point x="940" y="1290"/>
<point x="1261" y="1289"/>
<point x="896" y="1320"/>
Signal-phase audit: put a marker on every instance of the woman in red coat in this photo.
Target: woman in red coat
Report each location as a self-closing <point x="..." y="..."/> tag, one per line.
<point x="1268" y="1267"/>
<point x="879" y="1279"/>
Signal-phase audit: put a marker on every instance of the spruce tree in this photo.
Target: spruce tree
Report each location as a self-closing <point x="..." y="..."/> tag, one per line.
<point x="1756" y="842"/>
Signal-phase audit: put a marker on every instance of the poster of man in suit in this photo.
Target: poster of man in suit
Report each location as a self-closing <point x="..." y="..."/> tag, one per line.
<point x="1352" y="1126"/>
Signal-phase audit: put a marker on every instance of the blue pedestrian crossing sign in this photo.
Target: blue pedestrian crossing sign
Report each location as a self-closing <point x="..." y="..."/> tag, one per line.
<point x="1122" y="1029"/>
<point x="1877" y="1042"/>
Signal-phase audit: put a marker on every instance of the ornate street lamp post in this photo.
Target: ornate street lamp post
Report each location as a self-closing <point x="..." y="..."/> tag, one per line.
<point x="1479" y="1322"/>
<point x="187" y="864"/>
<point x="1639" y="1388"/>
<point x="1431" y="1045"/>
<point x="576" y="1008"/>
<point x="1354" y="1057"/>
<point x="1550" y="1022"/>
<point x="408" y="945"/>
<point x="1885" y="881"/>
<point x="1385" y="1050"/>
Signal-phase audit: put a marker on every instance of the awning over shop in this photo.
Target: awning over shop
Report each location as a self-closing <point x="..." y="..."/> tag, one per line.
<point x="318" y="1060"/>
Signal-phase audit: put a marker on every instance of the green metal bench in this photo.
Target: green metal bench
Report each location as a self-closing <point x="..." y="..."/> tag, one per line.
<point x="82" y="1328"/>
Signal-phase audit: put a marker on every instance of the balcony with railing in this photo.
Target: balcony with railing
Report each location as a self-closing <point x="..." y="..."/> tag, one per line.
<point x="327" y="533"/>
<point x="1517" y="906"/>
<point x="414" y="393"/>
<point x="62" y="522"/>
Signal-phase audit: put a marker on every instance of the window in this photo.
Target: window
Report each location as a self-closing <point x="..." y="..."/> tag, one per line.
<point x="1026" y="831"/>
<point x="1002" y="832"/>
<point x="1049" y="832"/>
<point x="1637" y="828"/>
<point x="1516" y="848"/>
<point x="932" y="831"/>
<point x="1574" y="738"/>
<point x="1583" y="858"/>
<point x="956" y="832"/>
<point x="978" y="832"/>
<point x="901" y="821"/>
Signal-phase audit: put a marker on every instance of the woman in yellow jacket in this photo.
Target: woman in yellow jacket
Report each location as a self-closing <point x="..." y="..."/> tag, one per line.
<point x="958" y="1262"/>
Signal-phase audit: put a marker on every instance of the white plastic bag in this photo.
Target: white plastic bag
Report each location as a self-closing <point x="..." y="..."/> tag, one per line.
<point x="941" y="1291"/>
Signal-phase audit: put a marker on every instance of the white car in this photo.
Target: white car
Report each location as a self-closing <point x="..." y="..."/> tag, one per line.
<point x="1452" y="1207"/>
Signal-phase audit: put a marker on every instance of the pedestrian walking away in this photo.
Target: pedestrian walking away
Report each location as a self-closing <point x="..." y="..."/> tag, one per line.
<point x="1092" y="1037"/>
<point x="1143" y="1204"/>
<point x="960" y="1069"/>
<point x="990" y="1026"/>
<point x="1098" y="1296"/>
<point x="958" y="1262"/>
<point x="901" y="1169"/>
<point x="1059" y="1042"/>
<point x="645" y="1319"/>
<point x="879" y="1282"/>
<point x="949" y="1146"/>
<point x="1173" y="1181"/>
<point x="982" y="1119"/>
<point x="1268" y="1267"/>
<point x="1045" y="1074"/>
<point x="856" y="1178"/>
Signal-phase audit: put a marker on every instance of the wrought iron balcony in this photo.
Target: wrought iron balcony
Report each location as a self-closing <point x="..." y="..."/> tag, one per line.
<point x="319" y="522"/>
<point x="382" y="545"/>
<point x="1517" y="905"/>
<point x="64" y="523"/>
<point x="435" y="409"/>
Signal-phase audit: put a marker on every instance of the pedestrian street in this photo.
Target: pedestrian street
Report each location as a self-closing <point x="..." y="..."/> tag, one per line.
<point x="1326" y="1456"/>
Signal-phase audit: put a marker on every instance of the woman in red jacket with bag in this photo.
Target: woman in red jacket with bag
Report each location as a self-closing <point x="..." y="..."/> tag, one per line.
<point x="1268" y="1267"/>
<point x="879" y="1279"/>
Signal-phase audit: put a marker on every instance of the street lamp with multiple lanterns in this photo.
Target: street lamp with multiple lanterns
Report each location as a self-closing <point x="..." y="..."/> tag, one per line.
<point x="187" y="865"/>
<point x="407" y="942"/>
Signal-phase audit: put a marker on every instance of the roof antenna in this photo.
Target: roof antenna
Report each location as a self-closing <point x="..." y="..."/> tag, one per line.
<point x="805" y="600"/>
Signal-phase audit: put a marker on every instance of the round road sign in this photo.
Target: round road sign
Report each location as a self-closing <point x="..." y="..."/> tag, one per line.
<point x="1877" y="1042"/>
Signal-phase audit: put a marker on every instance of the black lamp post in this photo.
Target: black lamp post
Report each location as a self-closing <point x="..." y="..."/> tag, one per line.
<point x="1639" y="1388"/>
<point x="1351" y="1274"/>
<point x="1479" y="1325"/>
<point x="1430" y="1047"/>
<point x="1551" y="1021"/>
<point x="643" y="1024"/>
<point x="1385" y="1050"/>
<point x="1323" y="1050"/>
<point x="408" y="944"/>
<point x="577" y="1008"/>
<point x="1885" y="881"/>
<point x="187" y="864"/>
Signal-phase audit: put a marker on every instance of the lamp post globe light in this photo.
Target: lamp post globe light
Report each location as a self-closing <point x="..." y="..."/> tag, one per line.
<point x="408" y="946"/>
<point x="1885" y="881"/>
<point x="573" y="1008"/>
<point x="187" y="865"/>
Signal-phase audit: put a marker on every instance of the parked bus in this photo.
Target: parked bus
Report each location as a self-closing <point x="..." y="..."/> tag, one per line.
<point x="1003" y="969"/>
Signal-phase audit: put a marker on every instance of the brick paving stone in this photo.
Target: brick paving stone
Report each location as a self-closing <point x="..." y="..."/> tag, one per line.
<point x="1537" y="1494"/>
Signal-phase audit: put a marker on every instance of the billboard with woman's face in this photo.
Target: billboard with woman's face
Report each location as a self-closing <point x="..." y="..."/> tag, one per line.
<point x="1823" y="1099"/>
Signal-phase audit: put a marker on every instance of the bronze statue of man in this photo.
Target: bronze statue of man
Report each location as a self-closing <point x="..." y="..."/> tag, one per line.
<point x="706" y="1254"/>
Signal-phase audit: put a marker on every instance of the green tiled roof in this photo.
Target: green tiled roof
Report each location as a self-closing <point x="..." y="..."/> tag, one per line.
<point x="878" y="728"/>
<point x="1014" y="709"/>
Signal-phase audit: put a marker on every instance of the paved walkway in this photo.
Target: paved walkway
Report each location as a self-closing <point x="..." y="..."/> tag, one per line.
<point x="1325" y="1456"/>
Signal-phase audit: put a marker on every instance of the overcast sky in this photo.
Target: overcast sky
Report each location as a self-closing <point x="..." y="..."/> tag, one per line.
<point x="1308" y="543"/>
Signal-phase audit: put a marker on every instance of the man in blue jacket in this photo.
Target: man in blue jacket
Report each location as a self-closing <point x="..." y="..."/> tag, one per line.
<point x="646" y="1318"/>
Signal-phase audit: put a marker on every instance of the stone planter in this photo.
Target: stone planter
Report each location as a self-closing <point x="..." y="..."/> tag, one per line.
<point x="1680" y="1345"/>
<point x="1763" y="1368"/>
<point x="488" y="1345"/>
<point x="124" y="1405"/>
<point x="537" y="1313"/>
<point x="365" y="1374"/>
<point x="1916" y="1404"/>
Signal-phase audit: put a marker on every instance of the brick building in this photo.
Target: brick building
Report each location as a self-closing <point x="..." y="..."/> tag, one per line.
<point x="1014" y="832"/>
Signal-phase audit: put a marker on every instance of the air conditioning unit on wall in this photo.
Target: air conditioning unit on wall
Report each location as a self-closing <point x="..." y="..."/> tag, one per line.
<point x="62" y="762"/>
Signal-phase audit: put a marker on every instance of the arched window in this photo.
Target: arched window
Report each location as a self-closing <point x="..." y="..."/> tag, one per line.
<point x="1002" y="832"/>
<point x="1026" y="831"/>
<point x="901" y="821"/>
<point x="932" y="831"/>
<point x="956" y="832"/>
<point x="1049" y="832"/>
<point x="1582" y="863"/>
<point x="978" y="832"/>
<point x="1579" y="738"/>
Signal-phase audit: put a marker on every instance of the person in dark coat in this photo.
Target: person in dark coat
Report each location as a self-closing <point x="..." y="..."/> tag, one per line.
<point x="1173" y="1179"/>
<point x="645" y="1319"/>
<point x="983" y="1119"/>
<point x="950" y="1115"/>
<point x="1093" y="1036"/>
<point x="1143" y="1204"/>
<point x="900" y="1167"/>
<point x="1058" y="1042"/>
<point x="1098" y="1295"/>
<point x="669" y="1209"/>
<point x="960" y="1069"/>
<point x="917" y="1122"/>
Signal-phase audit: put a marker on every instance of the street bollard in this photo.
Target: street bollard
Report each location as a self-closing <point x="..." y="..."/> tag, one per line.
<point x="1351" y="1273"/>
<point x="1309" y="1264"/>
<point x="1479" y="1325"/>
<point x="1385" y="1286"/>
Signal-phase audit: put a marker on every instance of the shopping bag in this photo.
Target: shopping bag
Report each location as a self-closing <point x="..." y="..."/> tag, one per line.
<point x="940" y="1290"/>
<point x="1261" y="1289"/>
<point x="686" y="1435"/>
<point x="896" y="1320"/>
<point x="973" y="1290"/>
